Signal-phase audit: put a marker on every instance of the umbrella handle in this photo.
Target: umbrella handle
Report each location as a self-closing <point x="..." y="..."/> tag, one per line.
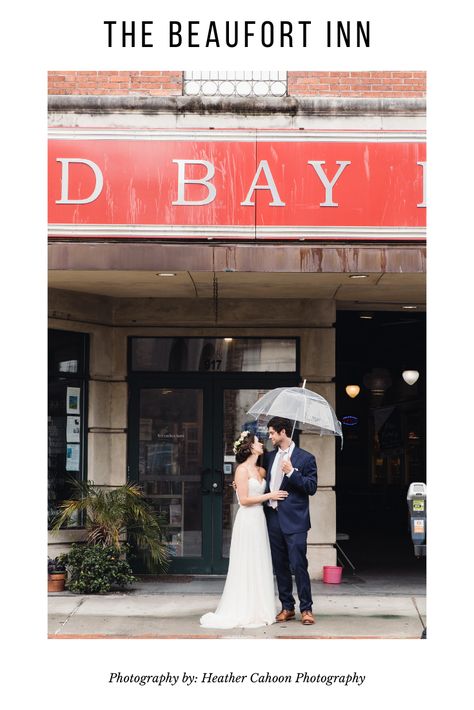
<point x="293" y="430"/>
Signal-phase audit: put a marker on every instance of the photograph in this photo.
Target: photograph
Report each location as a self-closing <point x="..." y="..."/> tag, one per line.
<point x="236" y="274"/>
<point x="237" y="318"/>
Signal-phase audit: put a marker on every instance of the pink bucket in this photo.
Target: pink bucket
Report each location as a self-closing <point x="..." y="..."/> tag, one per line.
<point x="332" y="575"/>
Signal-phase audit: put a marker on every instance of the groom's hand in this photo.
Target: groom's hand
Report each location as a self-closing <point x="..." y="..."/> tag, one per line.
<point x="287" y="466"/>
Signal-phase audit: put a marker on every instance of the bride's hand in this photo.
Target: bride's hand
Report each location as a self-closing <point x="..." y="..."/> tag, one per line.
<point x="278" y="495"/>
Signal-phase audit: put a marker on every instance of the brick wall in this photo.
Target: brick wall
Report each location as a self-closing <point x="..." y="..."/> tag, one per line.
<point x="375" y="84"/>
<point x="118" y="83"/>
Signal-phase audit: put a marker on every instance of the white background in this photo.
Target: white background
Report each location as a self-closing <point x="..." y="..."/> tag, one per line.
<point x="71" y="36"/>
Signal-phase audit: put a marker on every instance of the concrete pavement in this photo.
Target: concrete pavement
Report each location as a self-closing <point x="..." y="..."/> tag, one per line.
<point x="380" y="608"/>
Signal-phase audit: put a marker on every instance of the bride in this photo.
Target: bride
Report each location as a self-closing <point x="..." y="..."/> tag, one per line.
<point x="248" y="599"/>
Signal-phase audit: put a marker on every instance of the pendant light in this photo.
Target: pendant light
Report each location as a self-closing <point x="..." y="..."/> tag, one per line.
<point x="352" y="390"/>
<point x="410" y="376"/>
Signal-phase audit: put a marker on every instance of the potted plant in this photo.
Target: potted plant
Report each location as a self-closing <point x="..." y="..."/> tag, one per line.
<point x="57" y="573"/>
<point x="111" y="515"/>
<point x="97" y="568"/>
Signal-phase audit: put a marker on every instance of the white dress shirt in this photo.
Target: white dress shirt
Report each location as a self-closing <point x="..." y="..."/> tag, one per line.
<point x="276" y="474"/>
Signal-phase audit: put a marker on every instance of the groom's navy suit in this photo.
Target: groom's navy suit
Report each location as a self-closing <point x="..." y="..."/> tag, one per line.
<point x="288" y="526"/>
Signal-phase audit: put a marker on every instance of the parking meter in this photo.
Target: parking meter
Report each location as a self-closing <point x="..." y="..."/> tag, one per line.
<point x="416" y="499"/>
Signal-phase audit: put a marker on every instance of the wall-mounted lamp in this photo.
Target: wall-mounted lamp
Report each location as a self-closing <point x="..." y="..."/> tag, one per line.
<point x="410" y="376"/>
<point x="352" y="390"/>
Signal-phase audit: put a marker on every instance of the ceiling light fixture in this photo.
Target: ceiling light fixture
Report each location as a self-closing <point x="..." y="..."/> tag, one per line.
<point x="410" y="376"/>
<point x="358" y="276"/>
<point x="409" y="308"/>
<point x="165" y="274"/>
<point x="352" y="390"/>
<point x="228" y="340"/>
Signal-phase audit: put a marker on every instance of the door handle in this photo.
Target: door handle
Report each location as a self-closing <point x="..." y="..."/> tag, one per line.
<point x="218" y="486"/>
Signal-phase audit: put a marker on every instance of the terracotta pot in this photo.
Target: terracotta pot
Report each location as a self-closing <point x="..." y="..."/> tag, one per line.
<point x="56" y="582"/>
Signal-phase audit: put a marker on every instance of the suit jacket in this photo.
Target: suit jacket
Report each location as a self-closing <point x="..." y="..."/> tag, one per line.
<point x="293" y="511"/>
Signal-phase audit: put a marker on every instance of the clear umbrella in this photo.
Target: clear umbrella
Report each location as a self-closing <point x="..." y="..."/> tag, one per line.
<point x="307" y="410"/>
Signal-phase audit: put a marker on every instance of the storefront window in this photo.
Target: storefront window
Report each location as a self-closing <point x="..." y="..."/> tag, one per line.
<point x="67" y="358"/>
<point x="213" y="355"/>
<point x="398" y="445"/>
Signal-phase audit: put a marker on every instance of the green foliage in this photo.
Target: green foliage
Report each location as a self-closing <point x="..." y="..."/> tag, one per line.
<point x="57" y="564"/>
<point x="115" y="513"/>
<point x="97" y="568"/>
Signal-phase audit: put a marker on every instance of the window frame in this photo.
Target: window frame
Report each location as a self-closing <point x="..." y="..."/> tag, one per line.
<point x="72" y="379"/>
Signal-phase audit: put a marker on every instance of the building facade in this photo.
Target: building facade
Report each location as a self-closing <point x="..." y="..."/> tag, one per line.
<point x="212" y="236"/>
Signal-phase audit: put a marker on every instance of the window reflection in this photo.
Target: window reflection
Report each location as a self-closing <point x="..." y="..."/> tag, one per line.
<point x="170" y="463"/>
<point x="214" y="355"/>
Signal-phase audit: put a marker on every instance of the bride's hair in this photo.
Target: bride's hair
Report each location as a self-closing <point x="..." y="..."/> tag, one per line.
<point x="244" y="449"/>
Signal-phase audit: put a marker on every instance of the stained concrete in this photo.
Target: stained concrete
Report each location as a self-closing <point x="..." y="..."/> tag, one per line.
<point x="171" y="608"/>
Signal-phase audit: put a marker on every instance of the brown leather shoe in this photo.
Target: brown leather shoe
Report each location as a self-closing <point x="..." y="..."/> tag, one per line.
<point x="307" y="617"/>
<point x="285" y="615"/>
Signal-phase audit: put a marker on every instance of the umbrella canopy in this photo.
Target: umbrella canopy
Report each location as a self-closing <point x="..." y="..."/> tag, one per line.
<point x="307" y="409"/>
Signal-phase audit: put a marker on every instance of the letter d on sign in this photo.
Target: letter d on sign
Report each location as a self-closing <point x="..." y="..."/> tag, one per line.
<point x="99" y="181"/>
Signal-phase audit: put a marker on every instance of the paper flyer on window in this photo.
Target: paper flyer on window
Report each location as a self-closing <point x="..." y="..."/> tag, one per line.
<point x="239" y="203"/>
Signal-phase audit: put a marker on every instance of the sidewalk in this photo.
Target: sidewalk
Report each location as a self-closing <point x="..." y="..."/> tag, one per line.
<point x="170" y="607"/>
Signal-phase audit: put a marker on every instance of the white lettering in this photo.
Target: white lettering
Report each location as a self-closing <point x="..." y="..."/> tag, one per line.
<point x="423" y="165"/>
<point x="183" y="181"/>
<point x="99" y="181"/>
<point x="328" y="186"/>
<point x="270" y="185"/>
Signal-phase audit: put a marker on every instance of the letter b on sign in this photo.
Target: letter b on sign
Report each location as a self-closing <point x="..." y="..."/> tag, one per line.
<point x="204" y="181"/>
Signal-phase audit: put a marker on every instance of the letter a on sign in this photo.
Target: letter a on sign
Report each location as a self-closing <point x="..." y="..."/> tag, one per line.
<point x="270" y="185"/>
<point x="99" y="181"/>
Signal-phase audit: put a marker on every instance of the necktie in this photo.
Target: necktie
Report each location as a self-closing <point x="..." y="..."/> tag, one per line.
<point x="277" y="477"/>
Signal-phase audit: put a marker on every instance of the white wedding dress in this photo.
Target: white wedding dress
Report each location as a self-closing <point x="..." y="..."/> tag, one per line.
<point x="248" y="599"/>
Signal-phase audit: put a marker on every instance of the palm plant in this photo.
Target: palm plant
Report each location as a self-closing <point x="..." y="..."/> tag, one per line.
<point x="113" y="513"/>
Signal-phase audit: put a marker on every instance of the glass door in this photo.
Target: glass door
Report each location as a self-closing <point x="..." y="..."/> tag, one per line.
<point x="171" y="458"/>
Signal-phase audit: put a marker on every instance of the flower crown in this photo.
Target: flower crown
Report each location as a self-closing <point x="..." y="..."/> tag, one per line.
<point x="238" y="442"/>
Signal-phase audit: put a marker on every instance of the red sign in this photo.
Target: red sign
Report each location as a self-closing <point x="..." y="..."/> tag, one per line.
<point x="237" y="184"/>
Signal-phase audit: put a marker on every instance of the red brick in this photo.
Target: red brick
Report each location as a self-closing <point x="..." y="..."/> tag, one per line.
<point x="303" y="83"/>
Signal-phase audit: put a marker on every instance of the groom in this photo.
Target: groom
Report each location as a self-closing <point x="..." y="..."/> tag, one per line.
<point x="294" y="470"/>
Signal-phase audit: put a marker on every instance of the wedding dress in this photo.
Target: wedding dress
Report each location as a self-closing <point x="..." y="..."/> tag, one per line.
<point x="248" y="599"/>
